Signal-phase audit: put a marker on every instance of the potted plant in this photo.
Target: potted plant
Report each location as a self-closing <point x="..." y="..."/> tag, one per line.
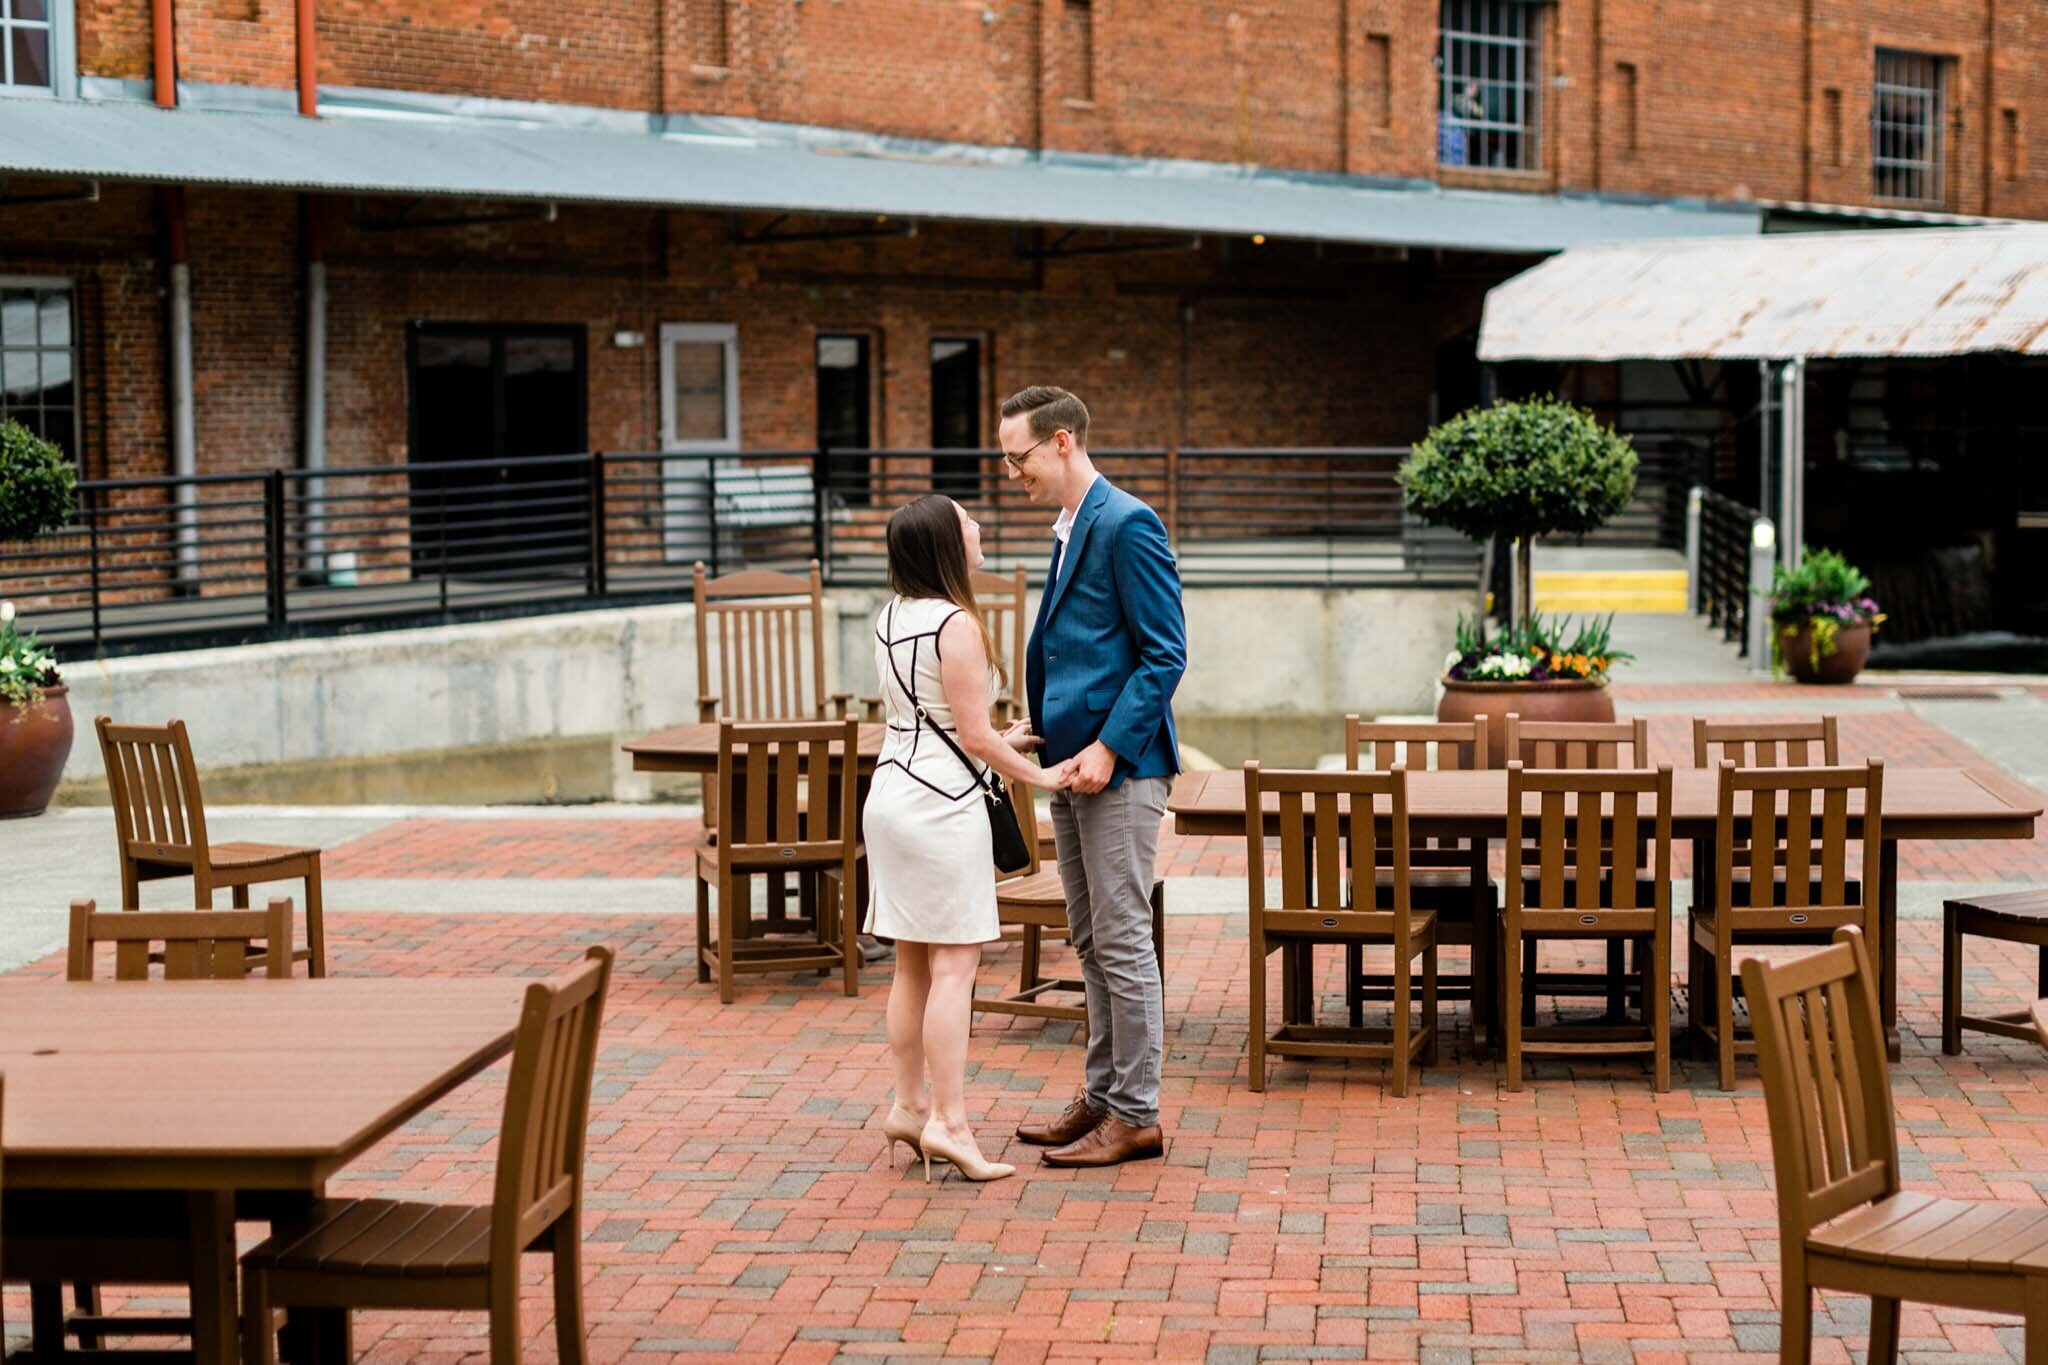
<point x="1544" y="670"/>
<point x="1521" y="470"/>
<point x="38" y="493"/>
<point x="1822" y="618"/>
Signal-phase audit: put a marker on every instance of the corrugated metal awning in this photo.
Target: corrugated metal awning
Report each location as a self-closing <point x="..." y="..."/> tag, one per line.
<point x="511" y="159"/>
<point x="1887" y="293"/>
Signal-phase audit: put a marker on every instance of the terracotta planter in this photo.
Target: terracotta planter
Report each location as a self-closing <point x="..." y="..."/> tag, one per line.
<point x="1843" y="662"/>
<point x="1571" y="699"/>
<point x="34" y="742"/>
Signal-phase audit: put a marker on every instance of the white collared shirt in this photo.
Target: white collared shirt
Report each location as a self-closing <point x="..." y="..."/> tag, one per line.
<point x="1063" y="528"/>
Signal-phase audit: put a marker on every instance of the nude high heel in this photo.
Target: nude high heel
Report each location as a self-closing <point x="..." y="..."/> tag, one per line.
<point x="904" y="1127"/>
<point x="966" y="1160"/>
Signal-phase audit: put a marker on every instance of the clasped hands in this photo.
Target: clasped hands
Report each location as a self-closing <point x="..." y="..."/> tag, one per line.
<point x="1086" y="772"/>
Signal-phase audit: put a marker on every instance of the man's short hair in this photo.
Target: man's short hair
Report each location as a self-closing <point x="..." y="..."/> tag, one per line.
<point x="1051" y="409"/>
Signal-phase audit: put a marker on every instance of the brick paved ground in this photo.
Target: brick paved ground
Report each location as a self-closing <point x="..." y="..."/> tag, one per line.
<point x="740" y="1202"/>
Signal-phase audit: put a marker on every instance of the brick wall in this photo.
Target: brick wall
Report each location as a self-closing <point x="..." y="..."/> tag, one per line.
<point x="1722" y="98"/>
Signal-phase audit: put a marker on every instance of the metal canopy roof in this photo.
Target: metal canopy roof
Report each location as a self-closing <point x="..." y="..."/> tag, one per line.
<point x="416" y="154"/>
<point x="1887" y="293"/>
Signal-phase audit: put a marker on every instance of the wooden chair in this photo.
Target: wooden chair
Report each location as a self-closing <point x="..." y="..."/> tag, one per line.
<point x="1766" y="744"/>
<point x="1001" y="598"/>
<point x="762" y="622"/>
<point x="1447" y="876"/>
<point x="1843" y="1221"/>
<point x="1579" y="745"/>
<point x="1327" y="825"/>
<point x="2010" y="917"/>
<point x="787" y="812"/>
<point x="1034" y="903"/>
<point x="1598" y="857"/>
<point x="382" y="1253"/>
<point x="1801" y="853"/>
<point x="155" y="1247"/>
<point x="195" y="944"/>
<point x="160" y="832"/>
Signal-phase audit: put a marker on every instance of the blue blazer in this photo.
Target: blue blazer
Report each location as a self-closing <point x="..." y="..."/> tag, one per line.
<point x="1111" y="641"/>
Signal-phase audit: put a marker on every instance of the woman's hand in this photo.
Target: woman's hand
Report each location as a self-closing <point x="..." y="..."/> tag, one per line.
<point x="1058" y="777"/>
<point x="1019" y="737"/>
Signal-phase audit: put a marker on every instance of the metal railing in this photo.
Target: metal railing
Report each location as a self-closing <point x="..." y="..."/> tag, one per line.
<point x="1722" y="543"/>
<point x="225" y="558"/>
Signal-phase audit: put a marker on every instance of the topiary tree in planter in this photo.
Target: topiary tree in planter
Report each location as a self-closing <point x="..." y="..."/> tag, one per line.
<point x="1522" y="469"/>
<point x="38" y="488"/>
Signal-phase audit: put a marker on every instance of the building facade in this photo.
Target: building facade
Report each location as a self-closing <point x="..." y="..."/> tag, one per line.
<point x="644" y="316"/>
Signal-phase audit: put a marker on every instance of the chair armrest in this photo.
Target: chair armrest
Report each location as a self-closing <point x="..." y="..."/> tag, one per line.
<point x="707" y="709"/>
<point x="871" y="708"/>
<point x="840" y="705"/>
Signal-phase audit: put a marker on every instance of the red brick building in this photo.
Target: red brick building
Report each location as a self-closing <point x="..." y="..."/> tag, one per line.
<point x="525" y="214"/>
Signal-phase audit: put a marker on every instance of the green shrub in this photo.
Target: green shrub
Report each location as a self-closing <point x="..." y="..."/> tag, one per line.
<point x="38" y="487"/>
<point x="1526" y="469"/>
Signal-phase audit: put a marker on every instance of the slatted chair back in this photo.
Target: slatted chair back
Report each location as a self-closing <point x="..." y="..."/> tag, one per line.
<point x="1765" y="744"/>
<point x="547" y="1107"/>
<point x="760" y="645"/>
<point x="1592" y="828"/>
<point x="1578" y="744"/>
<point x="1827" y="1088"/>
<point x="194" y="945"/>
<point x="786" y="806"/>
<point x="1807" y="810"/>
<point x="158" y="814"/>
<point x="1327" y="827"/>
<point x="1001" y="599"/>
<point x="1419" y="747"/>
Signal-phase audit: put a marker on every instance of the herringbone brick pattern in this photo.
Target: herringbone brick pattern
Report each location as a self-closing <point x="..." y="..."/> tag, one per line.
<point x="740" y="1203"/>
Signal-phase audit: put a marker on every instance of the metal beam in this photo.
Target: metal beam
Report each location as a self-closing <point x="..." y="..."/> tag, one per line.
<point x="768" y="236"/>
<point x="405" y="222"/>
<point x="1058" y="248"/>
<point x="88" y="192"/>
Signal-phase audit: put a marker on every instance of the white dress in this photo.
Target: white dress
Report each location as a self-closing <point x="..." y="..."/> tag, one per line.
<point x="931" y="870"/>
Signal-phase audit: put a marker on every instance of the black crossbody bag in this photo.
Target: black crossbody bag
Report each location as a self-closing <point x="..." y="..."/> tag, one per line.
<point x="1005" y="837"/>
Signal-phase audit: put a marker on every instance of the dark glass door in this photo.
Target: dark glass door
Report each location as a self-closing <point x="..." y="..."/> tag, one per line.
<point x="499" y="399"/>
<point x="956" y="416"/>
<point x="844" y="386"/>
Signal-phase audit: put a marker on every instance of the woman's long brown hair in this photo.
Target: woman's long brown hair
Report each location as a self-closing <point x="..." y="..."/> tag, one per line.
<point x="928" y="558"/>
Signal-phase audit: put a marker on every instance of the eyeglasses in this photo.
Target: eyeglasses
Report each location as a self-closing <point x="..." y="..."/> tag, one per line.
<point x="1017" y="461"/>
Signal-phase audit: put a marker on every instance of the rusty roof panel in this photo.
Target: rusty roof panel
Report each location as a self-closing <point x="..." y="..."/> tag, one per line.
<point x="1899" y="292"/>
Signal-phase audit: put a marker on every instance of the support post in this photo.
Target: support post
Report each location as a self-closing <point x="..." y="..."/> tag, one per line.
<point x="1695" y="499"/>
<point x="1792" y="461"/>
<point x="1756" y="607"/>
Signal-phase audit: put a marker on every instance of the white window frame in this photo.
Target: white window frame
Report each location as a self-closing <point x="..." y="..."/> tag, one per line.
<point x="70" y="287"/>
<point x="696" y="334"/>
<point x="63" y="56"/>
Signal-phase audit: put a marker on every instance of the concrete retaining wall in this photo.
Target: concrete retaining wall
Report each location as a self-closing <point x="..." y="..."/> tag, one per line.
<point x="534" y="709"/>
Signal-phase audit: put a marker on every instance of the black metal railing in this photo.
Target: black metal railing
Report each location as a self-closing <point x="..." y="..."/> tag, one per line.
<point x="222" y="558"/>
<point x="1721" y="589"/>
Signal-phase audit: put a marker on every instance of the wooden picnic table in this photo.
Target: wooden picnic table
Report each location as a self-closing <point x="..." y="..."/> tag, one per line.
<point x="195" y="1093"/>
<point x="1919" y="804"/>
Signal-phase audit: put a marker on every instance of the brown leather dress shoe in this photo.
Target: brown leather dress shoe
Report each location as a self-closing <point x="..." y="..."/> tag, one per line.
<point x="1074" y="1122"/>
<point x="1109" y="1143"/>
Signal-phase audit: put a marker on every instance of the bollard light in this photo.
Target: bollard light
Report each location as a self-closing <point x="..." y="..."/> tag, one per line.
<point x="1762" y="534"/>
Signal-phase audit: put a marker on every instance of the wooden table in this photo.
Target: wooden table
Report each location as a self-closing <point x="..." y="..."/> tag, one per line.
<point x="694" y="749"/>
<point x="2040" y="1013"/>
<point x="1919" y="803"/>
<point x="206" y="1090"/>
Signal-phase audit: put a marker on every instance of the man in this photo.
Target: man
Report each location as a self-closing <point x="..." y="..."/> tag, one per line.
<point x="1105" y="655"/>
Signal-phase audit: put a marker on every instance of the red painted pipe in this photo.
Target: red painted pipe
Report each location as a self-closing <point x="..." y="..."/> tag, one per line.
<point x="309" y="61"/>
<point x="166" y="56"/>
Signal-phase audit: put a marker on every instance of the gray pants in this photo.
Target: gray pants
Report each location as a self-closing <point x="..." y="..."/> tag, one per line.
<point x="1106" y="844"/>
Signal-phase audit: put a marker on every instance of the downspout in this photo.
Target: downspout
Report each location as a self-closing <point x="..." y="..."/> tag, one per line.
<point x="1990" y="100"/>
<point x="313" y="403"/>
<point x="171" y="199"/>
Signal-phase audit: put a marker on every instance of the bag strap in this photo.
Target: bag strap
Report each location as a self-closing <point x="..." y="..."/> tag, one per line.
<point x="980" y="777"/>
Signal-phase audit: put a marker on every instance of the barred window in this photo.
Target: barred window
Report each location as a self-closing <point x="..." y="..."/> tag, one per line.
<point x="1487" y="84"/>
<point x="1906" y="117"/>
<point x="39" y="359"/>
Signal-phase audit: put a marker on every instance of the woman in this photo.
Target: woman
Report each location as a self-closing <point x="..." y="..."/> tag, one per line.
<point x="931" y="872"/>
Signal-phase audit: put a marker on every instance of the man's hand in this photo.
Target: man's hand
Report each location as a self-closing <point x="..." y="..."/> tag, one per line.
<point x="1019" y="737"/>
<point x="1093" y="767"/>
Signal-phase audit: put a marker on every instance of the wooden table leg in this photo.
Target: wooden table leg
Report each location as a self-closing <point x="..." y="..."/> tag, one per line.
<point x="215" y="1340"/>
<point x="311" y="1336"/>
<point x="1485" y="968"/>
<point x="1888" y="943"/>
